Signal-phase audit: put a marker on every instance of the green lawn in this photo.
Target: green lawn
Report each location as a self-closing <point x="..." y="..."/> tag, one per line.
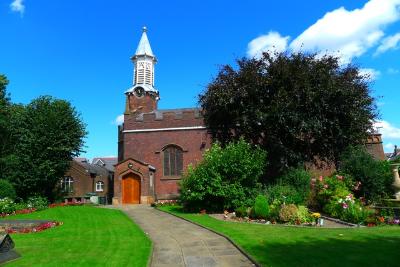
<point x="90" y="236"/>
<point x="273" y="245"/>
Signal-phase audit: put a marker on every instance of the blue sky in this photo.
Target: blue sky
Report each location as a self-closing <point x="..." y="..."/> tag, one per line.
<point x="80" y="50"/>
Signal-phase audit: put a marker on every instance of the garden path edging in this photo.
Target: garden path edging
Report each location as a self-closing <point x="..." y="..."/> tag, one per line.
<point x="220" y="234"/>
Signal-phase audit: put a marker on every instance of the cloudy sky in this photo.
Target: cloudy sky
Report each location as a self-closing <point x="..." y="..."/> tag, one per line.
<point x="79" y="50"/>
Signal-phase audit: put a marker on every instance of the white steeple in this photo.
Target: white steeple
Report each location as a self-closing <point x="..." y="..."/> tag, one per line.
<point x="144" y="45"/>
<point x="144" y="61"/>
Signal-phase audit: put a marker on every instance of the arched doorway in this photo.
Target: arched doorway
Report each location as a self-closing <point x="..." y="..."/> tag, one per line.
<point x="131" y="189"/>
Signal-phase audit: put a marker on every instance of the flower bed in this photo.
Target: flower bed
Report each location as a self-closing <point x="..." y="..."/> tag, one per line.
<point x="32" y="228"/>
<point x="64" y="204"/>
<point x="9" y="208"/>
<point x="26" y="225"/>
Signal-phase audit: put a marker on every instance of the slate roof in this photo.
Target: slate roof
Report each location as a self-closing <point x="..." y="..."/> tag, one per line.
<point x="106" y="162"/>
<point x="395" y="154"/>
<point x="99" y="166"/>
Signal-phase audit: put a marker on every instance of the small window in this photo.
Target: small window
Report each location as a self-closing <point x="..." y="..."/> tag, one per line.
<point x="173" y="161"/>
<point x="99" y="186"/>
<point x="67" y="184"/>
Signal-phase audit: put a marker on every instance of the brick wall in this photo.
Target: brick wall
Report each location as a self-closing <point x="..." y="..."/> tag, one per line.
<point x="148" y="146"/>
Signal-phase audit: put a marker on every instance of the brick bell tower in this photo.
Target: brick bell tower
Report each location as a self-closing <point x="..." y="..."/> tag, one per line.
<point x="142" y="97"/>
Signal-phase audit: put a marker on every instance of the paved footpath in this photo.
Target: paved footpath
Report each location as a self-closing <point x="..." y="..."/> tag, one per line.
<point x="177" y="242"/>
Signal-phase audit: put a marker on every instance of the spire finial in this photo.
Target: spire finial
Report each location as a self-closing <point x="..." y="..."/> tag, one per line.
<point x="144" y="29"/>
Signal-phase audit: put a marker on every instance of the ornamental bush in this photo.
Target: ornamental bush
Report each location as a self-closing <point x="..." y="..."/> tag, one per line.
<point x="241" y="212"/>
<point x="261" y="207"/>
<point x="331" y="188"/>
<point x="7" y="189"/>
<point x="299" y="179"/>
<point x="7" y="205"/>
<point x="303" y="215"/>
<point x="284" y="194"/>
<point x="288" y="213"/>
<point x="226" y="178"/>
<point x="375" y="176"/>
<point x="37" y="202"/>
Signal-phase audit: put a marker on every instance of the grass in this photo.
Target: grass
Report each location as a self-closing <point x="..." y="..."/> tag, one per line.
<point x="90" y="236"/>
<point x="272" y="245"/>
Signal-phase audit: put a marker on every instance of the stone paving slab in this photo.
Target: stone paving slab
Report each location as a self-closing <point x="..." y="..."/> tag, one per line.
<point x="177" y="242"/>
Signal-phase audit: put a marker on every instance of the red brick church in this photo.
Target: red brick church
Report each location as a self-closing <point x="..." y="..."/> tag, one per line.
<point x="154" y="146"/>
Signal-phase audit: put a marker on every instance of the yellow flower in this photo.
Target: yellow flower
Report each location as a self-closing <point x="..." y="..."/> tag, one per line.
<point x="316" y="215"/>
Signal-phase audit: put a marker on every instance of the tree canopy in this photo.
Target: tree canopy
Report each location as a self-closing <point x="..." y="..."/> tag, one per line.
<point x="42" y="138"/>
<point x="299" y="107"/>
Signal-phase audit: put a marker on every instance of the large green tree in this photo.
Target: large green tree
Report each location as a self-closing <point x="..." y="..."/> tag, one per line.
<point x="298" y="107"/>
<point x="4" y="104"/>
<point x="45" y="135"/>
<point x="4" y="117"/>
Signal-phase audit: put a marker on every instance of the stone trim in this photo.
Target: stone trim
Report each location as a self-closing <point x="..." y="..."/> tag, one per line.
<point x="166" y="129"/>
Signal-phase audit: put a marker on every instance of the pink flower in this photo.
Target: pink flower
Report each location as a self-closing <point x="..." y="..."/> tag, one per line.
<point x="339" y="177"/>
<point x="345" y="206"/>
<point x="326" y="186"/>
<point x="321" y="178"/>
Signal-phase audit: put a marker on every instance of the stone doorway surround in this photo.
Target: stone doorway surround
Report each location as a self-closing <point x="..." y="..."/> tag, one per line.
<point x="144" y="172"/>
<point x="179" y="243"/>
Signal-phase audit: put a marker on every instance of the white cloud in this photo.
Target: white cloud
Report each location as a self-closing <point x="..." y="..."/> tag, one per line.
<point x="387" y="130"/>
<point x="372" y="74"/>
<point x="272" y="42"/>
<point x="345" y="33"/>
<point x="18" y="6"/>
<point x="393" y="71"/>
<point x="349" y="33"/>
<point x="388" y="43"/>
<point x="119" y="120"/>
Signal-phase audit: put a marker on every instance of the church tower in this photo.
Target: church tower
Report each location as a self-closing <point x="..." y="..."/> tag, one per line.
<point x="142" y="97"/>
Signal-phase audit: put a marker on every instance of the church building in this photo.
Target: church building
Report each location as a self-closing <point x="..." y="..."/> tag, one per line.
<point x="155" y="146"/>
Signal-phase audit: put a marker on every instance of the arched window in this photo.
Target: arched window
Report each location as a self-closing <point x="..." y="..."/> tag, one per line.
<point x="99" y="186"/>
<point x="67" y="184"/>
<point x="173" y="161"/>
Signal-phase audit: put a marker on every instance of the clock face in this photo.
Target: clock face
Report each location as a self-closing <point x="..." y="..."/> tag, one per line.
<point x="139" y="91"/>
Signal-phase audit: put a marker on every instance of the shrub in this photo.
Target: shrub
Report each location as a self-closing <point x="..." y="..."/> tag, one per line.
<point x="7" y="205"/>
<point x="37" y="202"/>
<point x="241" y="212"/>
<point x="285" y="194"/>
<point x="348" y="209"/>
<point x="274" y="209"/>
<point x="288" y="213"/>
<point x="261" y="208"/>
<point x="226" y="178"/>
<point x="20" y="206"/>
<point x="7" y="189"/>
<point x="303" y="214"/>
<point x="375" y="176"/>
<point x="299" y="179"/>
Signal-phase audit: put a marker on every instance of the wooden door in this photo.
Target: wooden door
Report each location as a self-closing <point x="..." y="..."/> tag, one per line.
<point x="131" y="189"/>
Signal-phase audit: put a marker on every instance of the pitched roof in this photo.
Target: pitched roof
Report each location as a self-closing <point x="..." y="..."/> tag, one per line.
<point x="106" y="162"/>
<point x="80" y="160"/>
<point x="144" y="47"/>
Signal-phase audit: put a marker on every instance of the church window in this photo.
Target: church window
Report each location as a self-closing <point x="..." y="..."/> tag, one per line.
<point x="173" y="161"/>
<point x="99" y="186"/>
<point x="67" y="184"/>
